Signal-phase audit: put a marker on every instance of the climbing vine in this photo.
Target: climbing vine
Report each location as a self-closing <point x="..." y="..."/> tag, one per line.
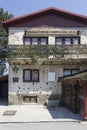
<point x="35" y="52"/>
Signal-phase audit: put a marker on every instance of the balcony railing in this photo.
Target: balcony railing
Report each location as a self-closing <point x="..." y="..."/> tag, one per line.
<point x="44" y="51"/>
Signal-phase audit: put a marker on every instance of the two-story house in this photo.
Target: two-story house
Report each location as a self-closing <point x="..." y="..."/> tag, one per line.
<point x="44" y="46"/>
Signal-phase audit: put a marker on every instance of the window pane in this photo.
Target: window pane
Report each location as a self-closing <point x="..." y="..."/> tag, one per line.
<point x="27" y="41"/>
<point x="67" y="72"/>
<point x="59" y="41"/>
<point x="35" y="75"/>
<point x="27" y="75"/>
<point x="34" y="41"/>
<point x="75" y="41"/>
<point x="75" y="71"/>
<point x="43" y="41"/>
<point x="67" y="41"/>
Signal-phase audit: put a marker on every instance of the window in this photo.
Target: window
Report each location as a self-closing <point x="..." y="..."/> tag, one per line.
<point x="67" y="72"/>
<point x="51" y="76"/>
<point x="31" y="75"/>
<point x="75" y="41"/>
<point x="74" y="71"/>
<point x="29" y="99"/>
<point x="27" y="41"/>
<point x="43" y="41"/>
<point x="35" y="40"/>
<point x="67" y="40"/>
<point x="27" y="75"/>
<point x="35" y="75"/>
<point x="58" y="41"/>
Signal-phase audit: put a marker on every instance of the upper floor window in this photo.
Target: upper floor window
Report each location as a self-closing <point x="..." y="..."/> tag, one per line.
<point x="27" y="41"/>
<point x="58" y="41"/>
<point x="43" y="41"/>
<point x="75" y="41"/>
<point x="67" y="40"/>
<point x="35" y="40"/>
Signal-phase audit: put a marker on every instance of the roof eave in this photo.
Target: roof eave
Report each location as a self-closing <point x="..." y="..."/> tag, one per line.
<point x="63" y="12"/>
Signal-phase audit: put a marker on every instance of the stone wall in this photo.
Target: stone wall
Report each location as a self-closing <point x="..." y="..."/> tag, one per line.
<point x="42" y="89"/>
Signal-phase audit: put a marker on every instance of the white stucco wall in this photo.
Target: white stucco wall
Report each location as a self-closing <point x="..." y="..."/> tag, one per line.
<point x="16" y="34"/>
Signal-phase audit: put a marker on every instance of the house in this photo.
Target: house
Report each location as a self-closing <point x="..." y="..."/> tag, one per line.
<point x="44" y="46"/>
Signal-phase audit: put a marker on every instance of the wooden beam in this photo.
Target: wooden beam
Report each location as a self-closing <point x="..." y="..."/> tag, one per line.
<point x="85" y="116"/>
<point x="84" y="85"/>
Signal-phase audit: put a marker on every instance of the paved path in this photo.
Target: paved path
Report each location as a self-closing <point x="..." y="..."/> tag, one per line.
<point x="36" y="113"/>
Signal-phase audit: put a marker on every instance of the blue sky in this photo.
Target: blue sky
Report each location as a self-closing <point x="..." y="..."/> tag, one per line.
<point x="22" y="7"/>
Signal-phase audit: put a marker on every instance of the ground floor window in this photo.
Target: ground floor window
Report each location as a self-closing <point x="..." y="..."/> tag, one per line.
<point x="29" y="99"/>
<point x="31" y="75"/>
<point x="67" y="72"/>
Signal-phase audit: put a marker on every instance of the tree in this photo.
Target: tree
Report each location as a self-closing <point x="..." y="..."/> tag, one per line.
<point x="3" y="39"/>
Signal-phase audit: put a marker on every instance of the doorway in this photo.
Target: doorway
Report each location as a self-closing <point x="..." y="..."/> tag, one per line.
<point x="3" y="91"/>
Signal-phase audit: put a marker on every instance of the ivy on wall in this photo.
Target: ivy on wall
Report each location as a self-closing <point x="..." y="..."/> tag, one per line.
<point x="44" y="51"/>
<point x="36" y="51"/>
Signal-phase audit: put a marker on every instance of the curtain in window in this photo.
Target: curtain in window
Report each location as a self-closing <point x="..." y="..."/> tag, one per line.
<point x="67" y="41"/>
<point x="27" y="41"/>
<point x="75" y="41"/>
<point x="27" y="75"/>
<point x="34" y="41"/>
<point x="43" y="41"/>
<point x="35" y="75"/>
<point x="59" y="41"/>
